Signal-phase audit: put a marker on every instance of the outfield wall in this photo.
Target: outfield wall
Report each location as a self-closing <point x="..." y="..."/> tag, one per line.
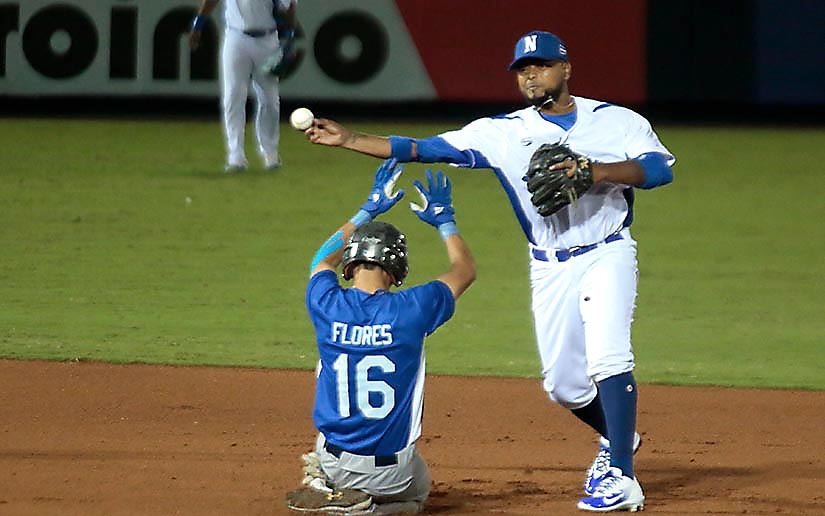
<point x="629" y="51"/>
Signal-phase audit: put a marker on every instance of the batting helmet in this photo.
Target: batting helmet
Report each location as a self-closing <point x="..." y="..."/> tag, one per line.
<point x="380" y="243"/>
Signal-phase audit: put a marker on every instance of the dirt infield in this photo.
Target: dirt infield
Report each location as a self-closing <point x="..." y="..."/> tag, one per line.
<point x="96" y="439"/>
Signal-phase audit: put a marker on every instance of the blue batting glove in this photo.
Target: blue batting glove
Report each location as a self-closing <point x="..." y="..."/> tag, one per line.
<point x="381" y="197"/>
<point x="437" y="208"/>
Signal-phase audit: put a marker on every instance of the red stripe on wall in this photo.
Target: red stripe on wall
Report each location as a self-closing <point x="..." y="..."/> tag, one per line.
<point x="467" y="45"/>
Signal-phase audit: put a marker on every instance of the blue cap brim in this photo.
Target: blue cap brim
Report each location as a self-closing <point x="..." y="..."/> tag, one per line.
<point x="516" y="63"/>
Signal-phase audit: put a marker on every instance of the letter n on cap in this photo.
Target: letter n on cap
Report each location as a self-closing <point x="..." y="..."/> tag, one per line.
<point x="530" y="43"/>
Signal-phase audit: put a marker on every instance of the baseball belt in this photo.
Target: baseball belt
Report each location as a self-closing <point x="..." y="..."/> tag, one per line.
<point x="562" y="255"/>
<point x="380" y="460"/>
<point x="259" y="33"/>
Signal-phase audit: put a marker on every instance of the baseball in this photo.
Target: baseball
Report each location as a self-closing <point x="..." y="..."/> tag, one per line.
<point x="301" y="119"/>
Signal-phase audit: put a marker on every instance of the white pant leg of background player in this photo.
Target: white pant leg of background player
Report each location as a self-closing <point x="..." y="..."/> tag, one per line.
<point x="267" y="100"/>
<point x="236" y="70"/>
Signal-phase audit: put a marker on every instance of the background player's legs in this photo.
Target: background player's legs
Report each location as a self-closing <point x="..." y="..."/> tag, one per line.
<point x="236" y="68"/>
<point x="608" y="294"/>
<point x="267" y="118"/>
<point x="267" y="102"/>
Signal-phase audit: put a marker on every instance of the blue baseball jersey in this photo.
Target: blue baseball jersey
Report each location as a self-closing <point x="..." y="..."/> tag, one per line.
<point x="370" y="388"/>
<point x="601" y="131"/>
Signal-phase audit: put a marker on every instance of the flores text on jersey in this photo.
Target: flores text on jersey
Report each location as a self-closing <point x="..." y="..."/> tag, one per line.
<point x="354" y="335"/>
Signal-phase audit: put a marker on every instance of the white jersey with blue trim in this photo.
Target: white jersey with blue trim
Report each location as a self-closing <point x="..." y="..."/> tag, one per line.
<point x="370" y="388"/>
<point x="603" y="132"/>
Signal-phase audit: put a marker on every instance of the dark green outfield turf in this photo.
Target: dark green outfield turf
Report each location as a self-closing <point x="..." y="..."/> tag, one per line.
<point x="123" y="241"/>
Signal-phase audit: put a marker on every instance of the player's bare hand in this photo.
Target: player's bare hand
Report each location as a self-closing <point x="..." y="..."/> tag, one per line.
<point x="328" y="132"/>
<point x="568" y="166"/>
<point x="194" y="39"/>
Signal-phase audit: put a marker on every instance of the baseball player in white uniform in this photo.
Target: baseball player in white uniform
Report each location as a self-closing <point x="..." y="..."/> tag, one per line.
<point x="583" y="267"/>
<point x="250" y="38"/>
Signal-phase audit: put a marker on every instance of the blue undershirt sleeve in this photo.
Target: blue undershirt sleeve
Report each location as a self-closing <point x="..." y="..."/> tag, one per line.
<point x="437" y="150"/>
<point x="657" y="171"/>
<point x="401" y="148"/>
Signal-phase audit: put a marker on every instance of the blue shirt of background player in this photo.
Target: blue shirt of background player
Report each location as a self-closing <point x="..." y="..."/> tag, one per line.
<point x="407" y="316"/>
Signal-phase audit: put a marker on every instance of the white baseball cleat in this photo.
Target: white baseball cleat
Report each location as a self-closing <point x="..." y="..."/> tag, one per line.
<point x="601" y="465"/>
<point x="615" y="492"/>
<point x="314" y="476"/>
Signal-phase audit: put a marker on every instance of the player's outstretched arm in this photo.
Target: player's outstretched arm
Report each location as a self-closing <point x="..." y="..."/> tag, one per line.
<point x="438" y="211"/>
<point x="380" y="200"/>
<point x="329" y="132"/>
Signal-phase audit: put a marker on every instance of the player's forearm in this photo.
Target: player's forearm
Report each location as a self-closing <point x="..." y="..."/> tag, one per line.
<point x="330" y="254"/>
<point x="646" y="171"/>
<point x="377" y="146"/>
<point x="344" y="232"/>
<point x="207" y="6"/>
<point x="628" y="172"/>
<point x="462" y="271"/>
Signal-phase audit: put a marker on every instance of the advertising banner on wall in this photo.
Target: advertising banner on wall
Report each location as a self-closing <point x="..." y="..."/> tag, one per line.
<point x="359" y="50"/>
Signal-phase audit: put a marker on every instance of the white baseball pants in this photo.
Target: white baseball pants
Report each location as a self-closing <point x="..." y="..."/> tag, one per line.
<point x="241" y="59"/>
<point x="583" y="309"/>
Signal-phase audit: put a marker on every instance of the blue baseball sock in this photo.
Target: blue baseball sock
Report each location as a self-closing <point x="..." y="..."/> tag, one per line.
<point x="593" y="415"/>
<point x="618" y="395"/>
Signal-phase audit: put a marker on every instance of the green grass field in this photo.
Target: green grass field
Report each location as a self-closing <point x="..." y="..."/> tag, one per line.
<point x="123" y="241"/>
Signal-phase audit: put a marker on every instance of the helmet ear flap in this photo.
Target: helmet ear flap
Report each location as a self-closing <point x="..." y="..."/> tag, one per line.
<point x="346" y="271"/>
<point x="347" y="258"/>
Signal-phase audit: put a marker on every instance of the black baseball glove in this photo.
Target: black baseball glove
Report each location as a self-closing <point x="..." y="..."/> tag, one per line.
<point x="338" y="501"/>
<point x="283" y="63"/>
<point x="553" y="189"/>
<point x="286" y="59"/>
